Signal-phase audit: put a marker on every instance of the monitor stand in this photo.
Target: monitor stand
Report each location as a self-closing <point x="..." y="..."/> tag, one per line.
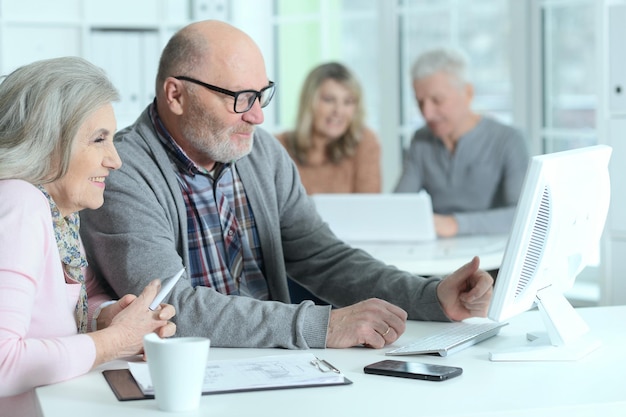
<point x="567" y="337"/>
<point x="541" y="349"/>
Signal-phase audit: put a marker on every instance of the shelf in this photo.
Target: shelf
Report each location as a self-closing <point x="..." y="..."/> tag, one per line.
<point x="42" y="23"/>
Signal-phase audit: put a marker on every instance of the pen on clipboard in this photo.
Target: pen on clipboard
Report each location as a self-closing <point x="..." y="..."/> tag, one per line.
<point x="324" y="366"/>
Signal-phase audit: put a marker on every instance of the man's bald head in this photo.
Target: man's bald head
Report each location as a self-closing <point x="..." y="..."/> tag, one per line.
<point x="206" y="48"/>
<point x="204" y="70"/>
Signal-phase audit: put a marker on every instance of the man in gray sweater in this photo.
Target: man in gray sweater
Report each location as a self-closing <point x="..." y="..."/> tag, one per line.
<point x="472" y="166"/>
<point x="193" y="191"/>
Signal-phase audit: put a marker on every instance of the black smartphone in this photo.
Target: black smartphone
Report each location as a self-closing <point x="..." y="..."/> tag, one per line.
<point x="415" y="370"/>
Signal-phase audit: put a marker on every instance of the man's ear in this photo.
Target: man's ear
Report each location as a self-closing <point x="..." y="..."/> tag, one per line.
<point x="469" y="91"/>
<point x="174" y="97"/>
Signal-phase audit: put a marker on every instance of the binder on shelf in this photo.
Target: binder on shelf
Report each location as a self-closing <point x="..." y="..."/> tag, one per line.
<point x="130" y="59"/>
<point x="209" y="9"/>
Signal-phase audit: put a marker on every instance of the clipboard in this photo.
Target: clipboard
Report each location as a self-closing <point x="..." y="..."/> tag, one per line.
<point x="126" y="388"/>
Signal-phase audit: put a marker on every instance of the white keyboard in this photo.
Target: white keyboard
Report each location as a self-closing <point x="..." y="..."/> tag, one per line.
<point x="451" y="339"/>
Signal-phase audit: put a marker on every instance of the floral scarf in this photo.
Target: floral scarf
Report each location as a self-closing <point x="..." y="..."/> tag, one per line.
<point x="66" y="235"/>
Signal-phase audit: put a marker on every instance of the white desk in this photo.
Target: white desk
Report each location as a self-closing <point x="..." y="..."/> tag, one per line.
<point x="442" y="256"/>
<point x="592" y="386"/>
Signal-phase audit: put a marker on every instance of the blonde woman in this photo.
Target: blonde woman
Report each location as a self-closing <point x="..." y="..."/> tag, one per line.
<point x="333" y="149"/>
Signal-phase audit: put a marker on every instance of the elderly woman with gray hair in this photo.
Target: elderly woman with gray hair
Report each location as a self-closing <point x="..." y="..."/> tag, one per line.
<point x="56" y="151"/>
<point x="471" y="165"/>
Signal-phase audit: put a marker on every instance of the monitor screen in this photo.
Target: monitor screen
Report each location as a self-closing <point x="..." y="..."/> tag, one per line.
<point x="557" y="228"/>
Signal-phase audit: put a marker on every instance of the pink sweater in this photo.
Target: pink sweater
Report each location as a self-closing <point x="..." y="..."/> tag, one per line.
<point x="38" y="340"/>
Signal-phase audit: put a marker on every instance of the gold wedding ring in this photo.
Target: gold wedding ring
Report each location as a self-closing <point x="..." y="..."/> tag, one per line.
<point x="386" y="332"/>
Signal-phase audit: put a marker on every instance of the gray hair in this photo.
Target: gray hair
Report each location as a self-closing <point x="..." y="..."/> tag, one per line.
<point x="452" y="62"/>
<point x="42" y="107"/>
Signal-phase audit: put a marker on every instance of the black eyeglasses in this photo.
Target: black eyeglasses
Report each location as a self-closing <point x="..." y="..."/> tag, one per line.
<point x="244" y="99"/>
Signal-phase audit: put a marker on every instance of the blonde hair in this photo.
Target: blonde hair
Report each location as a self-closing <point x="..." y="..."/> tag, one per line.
<point x="299" y="141"/>
<point x="42" y="107"/>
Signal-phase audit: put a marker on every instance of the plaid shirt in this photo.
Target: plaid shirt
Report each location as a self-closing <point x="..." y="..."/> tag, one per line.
<point x="209" y="197"/>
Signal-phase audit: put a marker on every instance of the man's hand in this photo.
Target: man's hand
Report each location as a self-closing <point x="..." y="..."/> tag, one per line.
<point x="373" y="323"/>
<point x="445" y="226"/>
<point x="466" y="292"/>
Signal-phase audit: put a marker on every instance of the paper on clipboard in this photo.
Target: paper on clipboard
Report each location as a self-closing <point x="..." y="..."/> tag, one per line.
<point x="267" y="372"/>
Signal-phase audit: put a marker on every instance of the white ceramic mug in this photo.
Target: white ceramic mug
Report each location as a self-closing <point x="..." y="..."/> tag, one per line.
<point x="177" y="367"/>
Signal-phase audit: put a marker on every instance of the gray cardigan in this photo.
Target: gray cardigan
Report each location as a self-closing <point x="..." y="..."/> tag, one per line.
<point x="480" y="183"/>
<point x="140" y="234"/>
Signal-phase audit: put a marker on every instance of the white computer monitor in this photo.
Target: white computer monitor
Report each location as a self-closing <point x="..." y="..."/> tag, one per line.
<point x="557" y="228"/>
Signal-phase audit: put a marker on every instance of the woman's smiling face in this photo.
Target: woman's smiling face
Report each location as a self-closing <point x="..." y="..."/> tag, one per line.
<point x="334" y="109"/>
<point x="93" y="155"/>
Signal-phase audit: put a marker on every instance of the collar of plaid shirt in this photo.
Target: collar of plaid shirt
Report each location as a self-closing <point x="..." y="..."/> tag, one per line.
<point x="224" y="248"/>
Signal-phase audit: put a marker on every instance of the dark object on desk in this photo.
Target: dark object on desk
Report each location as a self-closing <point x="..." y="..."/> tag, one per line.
<point x="414" y="370"/>
<point x="126" y="388"/>
<point x="124" y="385"/>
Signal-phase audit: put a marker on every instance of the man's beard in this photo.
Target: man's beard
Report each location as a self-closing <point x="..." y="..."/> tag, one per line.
<point x="208" y="136"/>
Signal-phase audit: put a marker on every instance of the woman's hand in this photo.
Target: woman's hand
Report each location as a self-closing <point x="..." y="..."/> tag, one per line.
<point x="127" y="321"/>
<point x="107" y="313"/>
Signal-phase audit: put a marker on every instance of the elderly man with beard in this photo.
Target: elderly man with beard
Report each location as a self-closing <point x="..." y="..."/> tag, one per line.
<point x="193" y="191"/>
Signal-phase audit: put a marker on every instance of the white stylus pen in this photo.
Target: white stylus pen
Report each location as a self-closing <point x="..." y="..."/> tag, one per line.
<point x="166" y="287"/>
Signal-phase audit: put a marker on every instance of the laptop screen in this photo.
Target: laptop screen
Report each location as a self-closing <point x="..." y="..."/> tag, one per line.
<point x="406" y="217"/>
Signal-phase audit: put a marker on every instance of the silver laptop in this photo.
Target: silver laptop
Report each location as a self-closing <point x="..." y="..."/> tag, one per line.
<point x="378" y="218"/>
<point x="398" y="229"/>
